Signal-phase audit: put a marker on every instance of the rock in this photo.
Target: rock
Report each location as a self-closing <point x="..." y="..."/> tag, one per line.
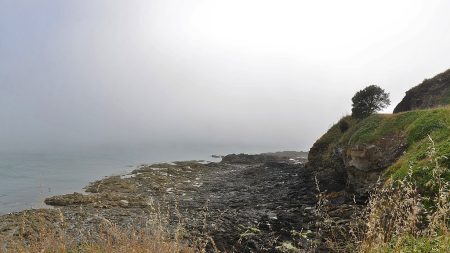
<point x="248" y="159"/>
<point x="247" y="207"/>
<point x="355" y="168"/>
<point x="70" y="199"/>
<point x="284" y="156"/>
<point x="430" y="93"/>
<point x="288" y="248"/>
<point x="330" y="173"/>
<point x="124" y="203"/>
<point x="364" y="163"/>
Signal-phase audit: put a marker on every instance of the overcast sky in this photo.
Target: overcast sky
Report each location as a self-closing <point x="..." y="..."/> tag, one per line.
<point x="267" y="74"/>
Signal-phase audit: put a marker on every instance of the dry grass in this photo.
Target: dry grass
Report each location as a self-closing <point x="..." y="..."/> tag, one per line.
<point x="397" y="218"/>
<point x="45" y="234"/>
<point x="401" y="220"/>
<point x="113" y="239"/>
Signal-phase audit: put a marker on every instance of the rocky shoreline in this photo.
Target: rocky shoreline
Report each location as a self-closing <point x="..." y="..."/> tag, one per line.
<point x="245" y="203"/>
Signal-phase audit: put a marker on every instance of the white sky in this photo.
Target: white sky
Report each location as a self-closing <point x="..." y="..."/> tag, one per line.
<point x="267" y="74"/>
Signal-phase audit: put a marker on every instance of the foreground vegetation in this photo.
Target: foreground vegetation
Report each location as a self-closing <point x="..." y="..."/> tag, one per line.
<point x="403" y="217"/>
<point x="409" y="211"/>
<point x="39" y="233"/>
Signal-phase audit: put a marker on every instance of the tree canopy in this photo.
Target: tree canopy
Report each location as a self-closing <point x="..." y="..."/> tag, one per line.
<point x="369" y="100"/>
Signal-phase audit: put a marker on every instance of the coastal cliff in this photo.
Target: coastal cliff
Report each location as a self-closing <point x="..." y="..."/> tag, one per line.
<point x="430" y="93"/>
<point x="359" y="158"/>
<point x="382" y="145"/>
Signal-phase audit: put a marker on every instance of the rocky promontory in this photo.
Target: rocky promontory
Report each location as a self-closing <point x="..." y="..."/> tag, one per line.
<point x="430" y="93"/>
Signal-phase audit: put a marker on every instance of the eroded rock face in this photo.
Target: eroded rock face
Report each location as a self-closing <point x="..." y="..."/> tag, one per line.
<point x="430" y="93"/>
<point x="331" y="175"/>
<point x="363" y="157"/>
<point x="363" y="164"/>
<point x="356" y="168"/>
<point x="328" y="167"/>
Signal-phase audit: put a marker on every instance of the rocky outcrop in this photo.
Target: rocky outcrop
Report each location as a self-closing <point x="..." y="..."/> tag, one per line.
<point x="329" y="171"/>
<point x="103" y="200"/>
<point x="247" y="159"/>
<point x="287" y="156"/>
<point x="325" y="159"/>
<point x="354" y="168"/>
<point x="430" y="93"/>
<point x="364" y="163"/>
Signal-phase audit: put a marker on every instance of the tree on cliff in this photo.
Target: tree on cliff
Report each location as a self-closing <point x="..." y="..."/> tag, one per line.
<point x="368" y="101"/>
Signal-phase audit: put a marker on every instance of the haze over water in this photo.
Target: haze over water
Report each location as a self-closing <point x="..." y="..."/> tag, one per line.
<point x="26" y="179"/>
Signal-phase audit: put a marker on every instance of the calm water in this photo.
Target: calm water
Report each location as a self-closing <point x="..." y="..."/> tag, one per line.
<point x="27" y="179"/>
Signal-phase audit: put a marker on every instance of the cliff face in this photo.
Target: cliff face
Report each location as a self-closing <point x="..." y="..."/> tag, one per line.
<point x="354" y="157"/>
<point x="430" y="93"/>
<point x="343" y="163"/>
<point x="379" y="146"/>
<point x="364" y="163"/>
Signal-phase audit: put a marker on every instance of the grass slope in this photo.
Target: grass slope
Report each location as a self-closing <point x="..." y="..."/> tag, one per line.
<point x="415" y="126"/>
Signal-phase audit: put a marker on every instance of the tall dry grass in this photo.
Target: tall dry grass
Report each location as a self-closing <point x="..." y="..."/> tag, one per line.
<point x="397" y="217"/>
<point x="42" y="233"/>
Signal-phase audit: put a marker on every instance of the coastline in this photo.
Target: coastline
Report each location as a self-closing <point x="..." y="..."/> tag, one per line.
<point x="27" y="179"/>
<point x="240" y="192"/>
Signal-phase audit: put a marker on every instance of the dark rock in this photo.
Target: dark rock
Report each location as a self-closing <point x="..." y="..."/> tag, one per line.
<point x="248" y="159"/>
<point x="285" y="156"/>
<point x="430" y="93"/>
<point x="243" y="207"/>
<point x="364" y="163"/>
<point x="355" y="168"/>
<point x="70" y="199"/>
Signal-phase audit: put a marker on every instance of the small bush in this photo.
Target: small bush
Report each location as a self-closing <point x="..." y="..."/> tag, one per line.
<point x="344" y="125"/>
<point x="368" y="101"/>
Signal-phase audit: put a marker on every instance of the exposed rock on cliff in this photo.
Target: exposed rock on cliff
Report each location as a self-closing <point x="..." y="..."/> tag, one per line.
<point x="364" y="163"/>
<point x="356" y="167"/>
<point x="381" y="145"/>
<point x="430" y="93"/>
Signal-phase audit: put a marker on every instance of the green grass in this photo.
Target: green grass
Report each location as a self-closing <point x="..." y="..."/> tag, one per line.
<point x="436" y="124"/>
<point x="414" y="127"/>
<point x="327" y="143"/>
<point x="438" y="244"/>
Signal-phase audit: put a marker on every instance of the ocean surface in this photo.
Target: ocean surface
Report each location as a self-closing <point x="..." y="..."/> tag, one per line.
<point x="26" y="179"/>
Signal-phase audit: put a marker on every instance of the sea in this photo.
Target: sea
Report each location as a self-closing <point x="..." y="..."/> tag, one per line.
<point x="27" y="178"/>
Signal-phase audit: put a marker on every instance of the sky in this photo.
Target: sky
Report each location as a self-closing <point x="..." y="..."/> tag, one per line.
<point x="250" y="74"/>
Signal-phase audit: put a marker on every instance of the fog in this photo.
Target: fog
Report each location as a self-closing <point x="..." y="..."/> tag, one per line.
<point x="249" y="74"/>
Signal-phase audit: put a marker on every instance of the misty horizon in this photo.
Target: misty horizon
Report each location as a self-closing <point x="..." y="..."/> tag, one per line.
<point x="252" y="75"/>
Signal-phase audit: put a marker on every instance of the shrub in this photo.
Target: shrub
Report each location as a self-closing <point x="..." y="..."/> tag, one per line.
<point x="368" y="101"/>
<point x="344" y="125"/>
